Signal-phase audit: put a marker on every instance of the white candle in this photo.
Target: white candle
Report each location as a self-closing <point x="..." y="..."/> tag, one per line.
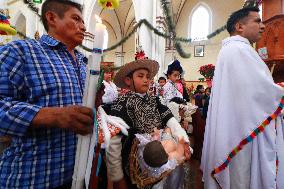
<point x="86" y="144"/>
<point x="99" y="35"/>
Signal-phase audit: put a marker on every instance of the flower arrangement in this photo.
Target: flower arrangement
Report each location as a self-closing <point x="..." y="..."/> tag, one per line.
<point x="109" y="4"/>
<point x="207" y="71"/>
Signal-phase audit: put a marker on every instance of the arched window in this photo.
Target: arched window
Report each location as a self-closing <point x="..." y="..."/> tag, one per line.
<point x="200" y="22"/>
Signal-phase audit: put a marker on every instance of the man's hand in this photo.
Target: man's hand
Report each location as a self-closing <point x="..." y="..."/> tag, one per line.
<point x="121" y="184"/>
<point x="75" y="118"/>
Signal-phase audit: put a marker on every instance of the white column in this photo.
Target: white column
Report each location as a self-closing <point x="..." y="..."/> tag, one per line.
<point x="119" y="60"/>
<point x="160" y="41"/>
<point x="145" y="35"/>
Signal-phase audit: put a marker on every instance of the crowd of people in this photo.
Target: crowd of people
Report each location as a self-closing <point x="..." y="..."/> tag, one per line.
<point x="42" y="86"/>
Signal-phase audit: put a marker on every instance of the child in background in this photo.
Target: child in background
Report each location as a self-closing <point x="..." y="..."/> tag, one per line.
<point x="173" y="74"/>
<point x="198" y="96"/>
<point x="162" y="81"/>
<point x="205" y="102"/>
<point x="110" y="91"/>
<point x="153" y="88"/>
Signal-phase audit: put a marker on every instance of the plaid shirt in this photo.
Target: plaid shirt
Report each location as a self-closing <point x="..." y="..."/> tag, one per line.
<point x="35" y="74"/>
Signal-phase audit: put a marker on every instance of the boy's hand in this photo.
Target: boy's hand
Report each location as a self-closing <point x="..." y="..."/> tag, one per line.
<point x="185" y="125"/>
<point x="181" y="140"/>
<point x="187" y="152"/>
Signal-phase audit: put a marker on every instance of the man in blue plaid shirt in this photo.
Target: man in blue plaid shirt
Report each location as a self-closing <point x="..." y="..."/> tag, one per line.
<point x="41" y="89"/>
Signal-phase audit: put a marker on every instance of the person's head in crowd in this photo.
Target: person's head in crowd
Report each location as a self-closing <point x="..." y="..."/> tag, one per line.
<point x="174" y="71"/>
<point x="136" y="75"/>
<point x="207" y="91"/>
<point x="246" y="22"/>
<point x="162" y="81"/>
<point x="108" y="76"/>
<point x="63" y="20"/>
<point x="199" y="89"/>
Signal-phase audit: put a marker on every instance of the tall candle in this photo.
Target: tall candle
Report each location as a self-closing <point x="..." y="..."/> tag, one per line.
<point x="100" y="31"/>
<point x="86" y="144"/>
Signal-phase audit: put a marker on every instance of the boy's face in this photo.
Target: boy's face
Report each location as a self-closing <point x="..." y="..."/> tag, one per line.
<point x="174" y="76"/>
<point x="139" y="82"/>
<point x="162" y="82"/>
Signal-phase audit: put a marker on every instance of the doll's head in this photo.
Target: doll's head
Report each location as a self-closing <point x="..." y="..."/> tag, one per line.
<point x="154" y="154"/>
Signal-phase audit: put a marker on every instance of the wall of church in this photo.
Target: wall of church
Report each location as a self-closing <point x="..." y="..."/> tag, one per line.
<point x="221" y="9"/>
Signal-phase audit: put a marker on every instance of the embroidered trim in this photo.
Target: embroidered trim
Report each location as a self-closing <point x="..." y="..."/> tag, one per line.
<point x="248" y="139"/>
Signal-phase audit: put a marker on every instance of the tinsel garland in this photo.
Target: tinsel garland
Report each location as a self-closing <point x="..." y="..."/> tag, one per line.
<point x="172" y="30"/>
<point x="170" y="35"/>
<point x="32" y="6"/>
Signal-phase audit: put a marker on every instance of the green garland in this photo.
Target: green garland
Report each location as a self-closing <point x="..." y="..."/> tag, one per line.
<point x="32" y="6"/>
<point x="171" y="35"/>
<point x="172" y="30"/>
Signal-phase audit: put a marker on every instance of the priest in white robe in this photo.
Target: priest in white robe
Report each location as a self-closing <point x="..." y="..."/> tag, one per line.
<point x="243" y="142"/>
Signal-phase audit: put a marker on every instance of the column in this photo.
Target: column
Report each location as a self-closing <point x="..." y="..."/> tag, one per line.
<point x="145" y="35"/>
<point x="119" y="60"/>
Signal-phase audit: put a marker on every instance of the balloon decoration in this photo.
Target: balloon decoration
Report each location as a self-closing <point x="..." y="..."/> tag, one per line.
<point x="109" y="4"/>
<point x="5" y="27"/>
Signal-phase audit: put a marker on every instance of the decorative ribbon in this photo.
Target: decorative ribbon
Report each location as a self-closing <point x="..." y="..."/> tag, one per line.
<point x="98" y="51"/>
<point x="94" y="72"/>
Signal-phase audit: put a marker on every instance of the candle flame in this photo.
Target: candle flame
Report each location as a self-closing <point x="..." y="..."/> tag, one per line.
<point x="98" y="19"/>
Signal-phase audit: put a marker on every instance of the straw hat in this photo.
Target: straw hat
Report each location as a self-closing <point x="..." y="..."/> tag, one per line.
<point x="151" y="65"/>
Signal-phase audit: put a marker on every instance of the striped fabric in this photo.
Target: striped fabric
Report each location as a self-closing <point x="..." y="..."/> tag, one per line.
<point x="35" y="74"/>
<point x="248" y="139"/>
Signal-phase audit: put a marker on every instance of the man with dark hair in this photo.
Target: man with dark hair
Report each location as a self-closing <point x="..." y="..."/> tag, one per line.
<point x="58" y="7"/>
<point x="240" y="16"/>
<point x="243" y="141"/>
<point x="41" y="91"/>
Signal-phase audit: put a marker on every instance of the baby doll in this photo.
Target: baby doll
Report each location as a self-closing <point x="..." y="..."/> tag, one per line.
<point x="160" y="151"/>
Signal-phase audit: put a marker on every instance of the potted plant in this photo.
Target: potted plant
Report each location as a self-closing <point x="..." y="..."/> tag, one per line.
<point x="208" y="72"/>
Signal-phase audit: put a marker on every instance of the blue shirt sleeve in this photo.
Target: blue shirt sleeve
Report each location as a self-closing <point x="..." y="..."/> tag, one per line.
<point x="16" y="113"/>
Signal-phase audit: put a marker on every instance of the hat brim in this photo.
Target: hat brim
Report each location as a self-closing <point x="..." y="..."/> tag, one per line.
<point x="151" y="65"/>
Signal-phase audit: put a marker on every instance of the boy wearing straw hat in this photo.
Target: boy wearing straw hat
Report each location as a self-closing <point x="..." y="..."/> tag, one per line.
<point x="141" y="112"/>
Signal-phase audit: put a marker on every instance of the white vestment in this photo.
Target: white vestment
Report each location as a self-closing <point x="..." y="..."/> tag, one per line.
<point x="243" y="96"/>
